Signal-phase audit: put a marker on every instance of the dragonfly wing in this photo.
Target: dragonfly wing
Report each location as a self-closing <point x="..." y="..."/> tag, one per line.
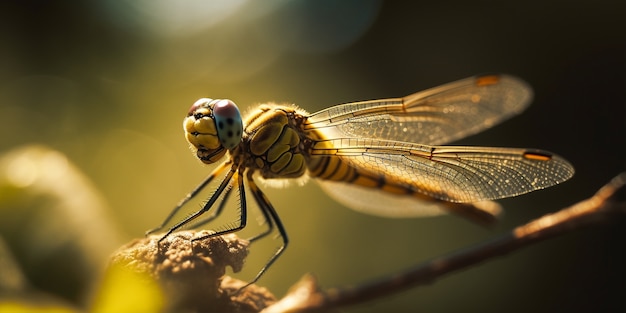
<point x="377" y="202"/>
<point x="452" y="173"/>
<point x="380" y="203"/>
<point x="434" y="116"/>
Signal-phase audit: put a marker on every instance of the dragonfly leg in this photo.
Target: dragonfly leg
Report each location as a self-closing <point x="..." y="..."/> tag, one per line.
<point x="206" y="207"/>
<point x="272" y="219"/>
<point x="243" y="213"/>
<point x="215" y="213"/>
<point x="260" y="198"/>
<point x="189" y="196"/>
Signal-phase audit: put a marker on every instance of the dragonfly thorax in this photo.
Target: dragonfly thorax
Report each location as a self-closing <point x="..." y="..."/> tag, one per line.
<point x="273" y="143"/>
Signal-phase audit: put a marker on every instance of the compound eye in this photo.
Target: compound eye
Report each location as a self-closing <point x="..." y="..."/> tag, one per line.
<point x="229" y="123"/>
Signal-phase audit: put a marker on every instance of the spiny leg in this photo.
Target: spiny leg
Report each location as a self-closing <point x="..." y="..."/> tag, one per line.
<point x="215" y="213"/>
<point x="207" y="206"/>
<point x="220" y="169"/>
<point x="243" y="213"/>
<point x="272" y="217"/>
<point x="268" y="221"/>
<point x="259" y="197"/>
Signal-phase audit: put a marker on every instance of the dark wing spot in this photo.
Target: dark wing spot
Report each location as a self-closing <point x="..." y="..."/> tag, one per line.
<point x="230" y="121"/>
<point x="230" y="133"/>
<point x="220" y="125"/>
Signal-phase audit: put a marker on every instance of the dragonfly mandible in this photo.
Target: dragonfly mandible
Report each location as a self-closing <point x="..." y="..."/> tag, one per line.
<point x="382" y="157"/>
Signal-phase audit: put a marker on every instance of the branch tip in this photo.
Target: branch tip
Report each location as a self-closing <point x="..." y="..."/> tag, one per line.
<point x="191" y="272"/>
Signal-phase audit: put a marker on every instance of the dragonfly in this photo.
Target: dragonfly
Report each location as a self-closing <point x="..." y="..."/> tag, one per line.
<point x="384" y="157"/>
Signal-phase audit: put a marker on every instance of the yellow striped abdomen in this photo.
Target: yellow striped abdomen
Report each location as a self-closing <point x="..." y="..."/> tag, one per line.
<point x="334" y="168"/>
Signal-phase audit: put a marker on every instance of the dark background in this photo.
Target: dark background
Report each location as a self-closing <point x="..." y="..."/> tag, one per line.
<point x="107" y="84"/>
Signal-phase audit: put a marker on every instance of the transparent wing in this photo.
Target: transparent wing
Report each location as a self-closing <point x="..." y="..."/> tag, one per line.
<point x="434" y="116"/>
<point x="380" y="203"/>
<point x="453" y="173"/>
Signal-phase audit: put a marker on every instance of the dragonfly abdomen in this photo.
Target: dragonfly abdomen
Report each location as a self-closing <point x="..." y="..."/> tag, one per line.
<point x="335" y="169"/>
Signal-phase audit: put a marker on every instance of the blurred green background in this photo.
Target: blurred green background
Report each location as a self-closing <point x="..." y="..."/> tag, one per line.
<point x="107" y="84"/>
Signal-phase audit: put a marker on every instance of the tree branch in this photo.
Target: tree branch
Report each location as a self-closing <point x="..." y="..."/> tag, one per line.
<point x="602" y="207"/>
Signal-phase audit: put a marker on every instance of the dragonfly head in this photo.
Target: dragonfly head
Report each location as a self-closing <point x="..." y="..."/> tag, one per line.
<point x="213" y="126"/>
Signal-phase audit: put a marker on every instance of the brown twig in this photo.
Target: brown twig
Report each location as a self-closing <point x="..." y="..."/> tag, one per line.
<point x="306" y="296"/>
